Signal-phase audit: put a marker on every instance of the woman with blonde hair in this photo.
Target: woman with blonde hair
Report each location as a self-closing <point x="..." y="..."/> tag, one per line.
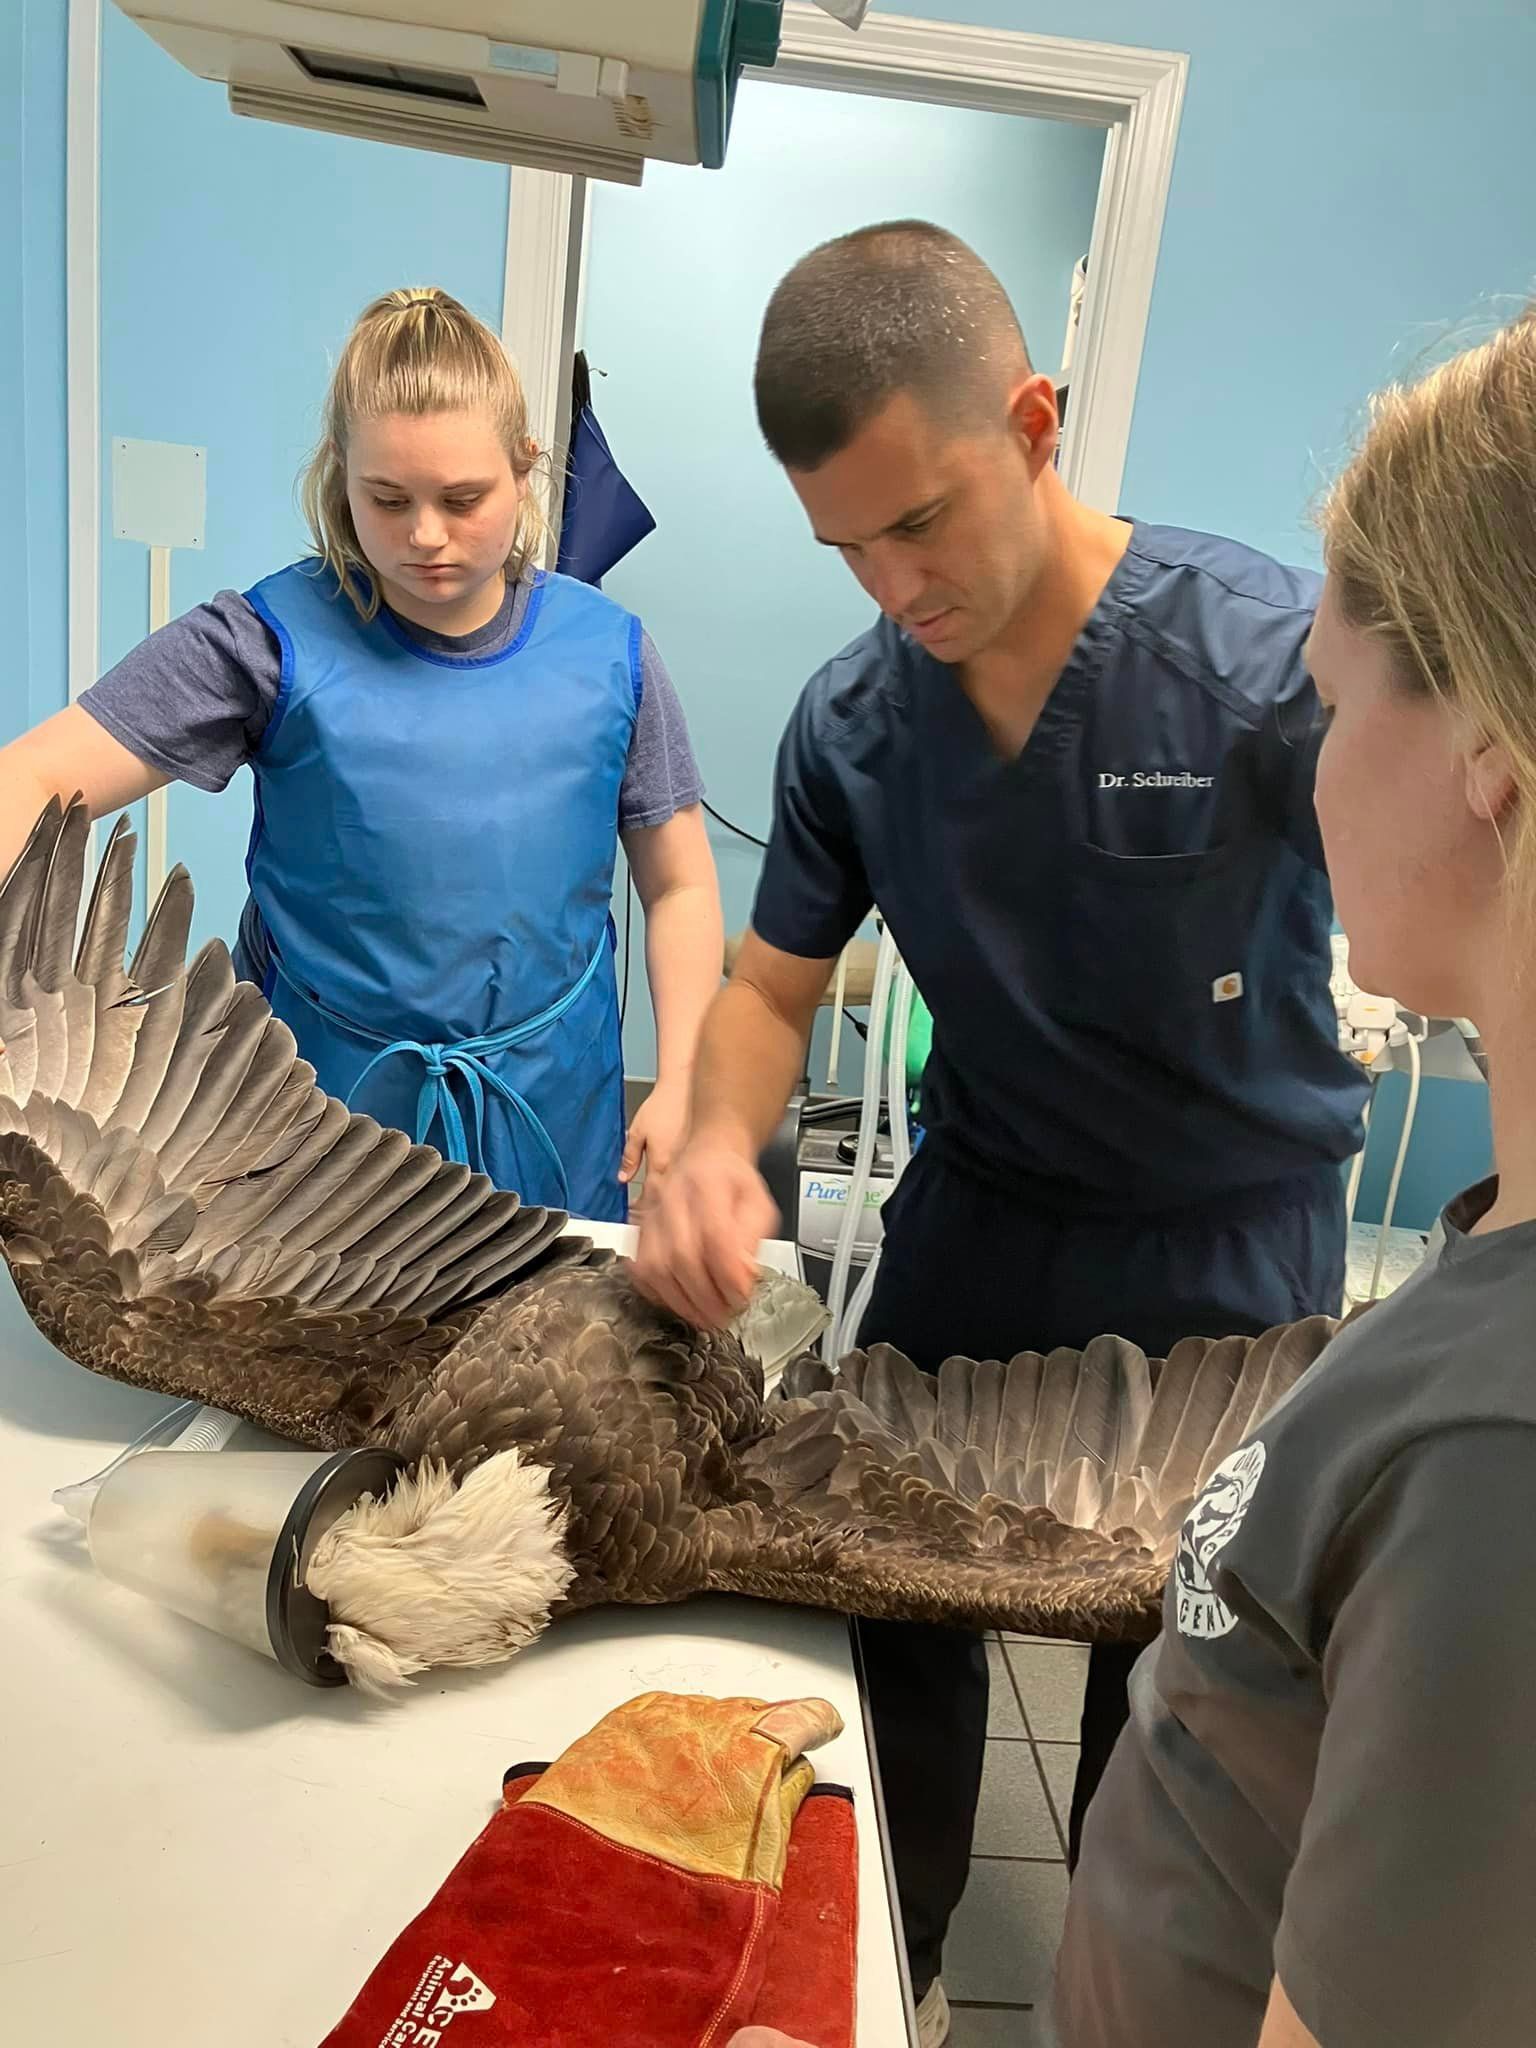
<point x="448" y="744"/>
<point x="1320" y="1824"/>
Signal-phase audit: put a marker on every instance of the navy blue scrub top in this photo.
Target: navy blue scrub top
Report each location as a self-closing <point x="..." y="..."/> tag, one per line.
<point x="1123" y="932"/>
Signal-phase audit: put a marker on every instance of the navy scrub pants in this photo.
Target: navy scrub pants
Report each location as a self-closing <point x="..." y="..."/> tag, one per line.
<point x="966" y="1270"/>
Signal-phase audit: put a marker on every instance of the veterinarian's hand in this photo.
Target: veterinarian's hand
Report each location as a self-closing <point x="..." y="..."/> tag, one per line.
<point x="700" y="1231"/>
<point x="764" y="2037"/>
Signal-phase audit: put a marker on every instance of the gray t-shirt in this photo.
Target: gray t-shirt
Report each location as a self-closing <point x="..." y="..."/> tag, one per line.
<point x="1330" y="1769"/>
<point x="193" y="700"/>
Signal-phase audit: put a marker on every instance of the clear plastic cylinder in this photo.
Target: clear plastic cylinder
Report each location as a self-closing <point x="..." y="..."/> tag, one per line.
<point x="196" y="1531"/>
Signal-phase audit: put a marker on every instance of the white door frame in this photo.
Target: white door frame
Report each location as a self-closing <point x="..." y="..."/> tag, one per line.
<point x="82" y="282"/>
<point x="1135" y="95"/>
<point x="540" y="310"/>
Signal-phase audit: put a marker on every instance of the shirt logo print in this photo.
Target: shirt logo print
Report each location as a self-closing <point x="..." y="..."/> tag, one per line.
<point x="1213" y="1522"/>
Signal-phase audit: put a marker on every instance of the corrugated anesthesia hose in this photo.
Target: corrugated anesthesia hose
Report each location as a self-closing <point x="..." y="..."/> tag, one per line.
<point x="869" y="1122"/>
<point x="901" y="1144"/>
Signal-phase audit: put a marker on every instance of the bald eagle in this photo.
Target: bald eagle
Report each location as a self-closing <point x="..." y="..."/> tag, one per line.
<point x="182" y="1208"/>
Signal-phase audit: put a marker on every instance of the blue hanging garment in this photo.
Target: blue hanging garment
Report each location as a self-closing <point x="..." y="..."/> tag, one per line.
<point x="604" y="517"/>
<point x="431" y="863"/>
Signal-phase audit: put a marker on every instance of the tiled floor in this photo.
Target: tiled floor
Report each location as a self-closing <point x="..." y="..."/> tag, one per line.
<point x="997" y="1962"/>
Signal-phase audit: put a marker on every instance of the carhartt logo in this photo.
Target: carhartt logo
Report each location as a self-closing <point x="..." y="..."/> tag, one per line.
<point x="1155" y="778"/>
<point x="446" y="1992"/>
<point x="1227" y="989"/>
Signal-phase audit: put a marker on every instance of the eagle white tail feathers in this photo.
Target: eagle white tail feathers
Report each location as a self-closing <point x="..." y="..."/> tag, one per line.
<point x="439" y="1573"/>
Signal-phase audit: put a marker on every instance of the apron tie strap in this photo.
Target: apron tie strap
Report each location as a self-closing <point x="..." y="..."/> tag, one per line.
<point x="466" y="1060"/>
<point x="436" y="1101"/>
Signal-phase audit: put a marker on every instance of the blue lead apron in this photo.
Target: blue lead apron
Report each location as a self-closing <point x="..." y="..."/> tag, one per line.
<point x="431" y="866"/>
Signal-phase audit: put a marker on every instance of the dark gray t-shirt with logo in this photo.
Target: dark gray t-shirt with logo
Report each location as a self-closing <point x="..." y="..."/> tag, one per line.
<point x="1330" y="1770"/>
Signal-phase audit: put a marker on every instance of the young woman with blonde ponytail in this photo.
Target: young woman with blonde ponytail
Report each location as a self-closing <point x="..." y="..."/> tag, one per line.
<point x="448" y="744"/>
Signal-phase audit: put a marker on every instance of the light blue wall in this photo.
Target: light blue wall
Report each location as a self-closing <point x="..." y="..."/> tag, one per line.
<point x="32" y="450"/>
<point x="235" y="255"/>
<point x="1351" y="182"/>
<point x="1450" y="1148"/>
<point x="740" y="602"/>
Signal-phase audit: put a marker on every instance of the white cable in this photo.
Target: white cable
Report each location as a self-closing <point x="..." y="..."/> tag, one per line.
<point x="1359" y="1166"/>
<point x="1415" y="1071"/>
<point x="839" y="993"/>
<point x="901" y="1144"/>
<point x="848" y="1339"/>
<point x="869" y="1122"/>
<point x="896" y="1072"/>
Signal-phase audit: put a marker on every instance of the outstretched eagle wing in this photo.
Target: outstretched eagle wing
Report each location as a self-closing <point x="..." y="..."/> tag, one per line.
<point x="180" y="1205"/>
<point x="1044" y="1495"/>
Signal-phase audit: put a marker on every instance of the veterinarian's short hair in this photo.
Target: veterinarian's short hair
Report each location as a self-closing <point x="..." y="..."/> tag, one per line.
<point x="904" y="306"/>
